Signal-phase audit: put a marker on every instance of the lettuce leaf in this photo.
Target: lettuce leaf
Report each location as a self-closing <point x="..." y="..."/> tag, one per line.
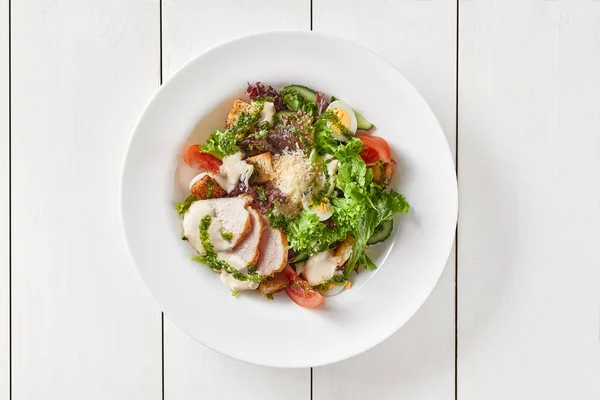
<point x="365" y="262"/>
<point x="296" y="102"/>
<point x="221" y="144"/>
<point x="305" y="233"/>
<point x="381" y="207"/>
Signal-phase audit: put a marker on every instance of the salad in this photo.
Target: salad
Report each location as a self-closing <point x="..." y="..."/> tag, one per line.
<point x="289" y="195"/>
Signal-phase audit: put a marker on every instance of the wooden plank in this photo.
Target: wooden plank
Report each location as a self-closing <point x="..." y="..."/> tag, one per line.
<point x="4" y="201"/>
<point x="419" y="38"/>
<point x="529" y="128"/>
<point x="83" y="326"/>
<point x="191" y="370"/>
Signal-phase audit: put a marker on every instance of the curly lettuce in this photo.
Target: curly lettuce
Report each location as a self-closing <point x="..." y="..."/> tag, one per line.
<point x="305" y="233"/>
<point x="296" y="102"/>
<point x="224" y="143"/>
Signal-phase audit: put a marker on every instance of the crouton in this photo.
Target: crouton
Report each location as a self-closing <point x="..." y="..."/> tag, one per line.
<point x="274" y="284"/>
<point x="344" y="249"/>
<point x="388" y="171"/>
<point x="263" y="167"/>
<point x="239" y="106"/>
<point x="383" y="173"/>
<point x="377" y="170"/>
<point x="207" y="188"/>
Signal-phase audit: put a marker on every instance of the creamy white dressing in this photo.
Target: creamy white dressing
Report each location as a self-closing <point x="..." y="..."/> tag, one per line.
<point x="320" y="267"/>
<point x="234" y="170"/>
<point x="267" y="112"/>
<point x="299" y="267"/>
<point x="232" y="259"/>
<point x="233" y="284"/>
<point x="332" y="167"/>
<point x="191" y="227"/>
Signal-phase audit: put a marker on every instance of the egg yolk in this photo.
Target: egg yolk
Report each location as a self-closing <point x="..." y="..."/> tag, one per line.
<point x="344" y="118"/>
<point x="324" y="206"/>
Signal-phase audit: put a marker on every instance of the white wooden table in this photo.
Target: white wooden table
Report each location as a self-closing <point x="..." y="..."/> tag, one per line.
<point x="516" y="86"/>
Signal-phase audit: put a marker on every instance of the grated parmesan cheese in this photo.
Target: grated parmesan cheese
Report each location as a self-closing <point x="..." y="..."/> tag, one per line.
<point x="294" y="175"/>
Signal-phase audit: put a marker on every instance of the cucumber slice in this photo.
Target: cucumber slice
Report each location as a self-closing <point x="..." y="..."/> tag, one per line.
<point x="308" y="94"/>
<point x="279" y="114"/>
<point x="382" y="232"/>
<point x="362" y="124"/>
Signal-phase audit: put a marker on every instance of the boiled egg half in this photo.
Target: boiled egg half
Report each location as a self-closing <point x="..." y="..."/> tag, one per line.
<point x="324" y="210"/>
<point x="346" y="118"/>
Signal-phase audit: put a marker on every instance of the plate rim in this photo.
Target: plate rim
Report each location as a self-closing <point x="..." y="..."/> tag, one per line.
<point x="189" y="64"/>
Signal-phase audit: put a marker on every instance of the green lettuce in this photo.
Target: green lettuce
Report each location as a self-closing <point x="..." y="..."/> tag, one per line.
<point x="380" y="207"/>
<point x="296" y="102"/>
<point x="221" y="144"/>
<point x="305" y="233"/>
<point x="224" y="143"/>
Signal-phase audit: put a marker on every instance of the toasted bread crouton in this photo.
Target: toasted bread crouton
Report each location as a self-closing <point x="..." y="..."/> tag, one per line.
<point x="388" y="171"/>
<point x="274" y="284"/>
<point x="263" y="167"/>
<point x="207" y="188"/>
<point x="383" y="173"/>
<point x="239" y="106"/>
<point x="344" y="249"/>
<point x="377" y="170"/>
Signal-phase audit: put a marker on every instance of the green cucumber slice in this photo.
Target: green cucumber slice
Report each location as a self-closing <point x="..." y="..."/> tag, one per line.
<point x="382" y="232"/>
<point x="308" y="94"/>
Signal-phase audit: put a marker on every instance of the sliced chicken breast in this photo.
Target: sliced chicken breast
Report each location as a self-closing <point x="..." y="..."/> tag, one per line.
<point x="234" y="216"/>
<point x="272" y="249"/>
<point x="228" y="214"/>
<point x="247" y="252"/>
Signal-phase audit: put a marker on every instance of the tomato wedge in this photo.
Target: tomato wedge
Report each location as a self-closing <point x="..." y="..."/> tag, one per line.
<point x="378" y="144"/>
<point x="197" y="159"/>
<point x="369" y="156"/>
<point x="300" y="291"/>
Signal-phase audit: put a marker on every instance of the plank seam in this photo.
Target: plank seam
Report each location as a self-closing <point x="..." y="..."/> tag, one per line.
<point x="9" y="205"/>
<point x="456" y="232"/>
<point x="162" y="314"/>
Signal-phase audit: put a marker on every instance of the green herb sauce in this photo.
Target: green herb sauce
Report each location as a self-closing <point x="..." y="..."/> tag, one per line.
<point x="224" y="143"/>
<point x="211" y="258"/>
<point x="260" y="192"/>
<point x="227" y="236"/>
<point x="334" y="120"/>
<point x="185" y="205"/>
<point x="337" y="280"/>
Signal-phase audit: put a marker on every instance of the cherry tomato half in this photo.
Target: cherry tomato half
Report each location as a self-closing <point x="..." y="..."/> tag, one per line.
<point x="378" y="144"/>
<point x="300" y="291"/>
<point x="369" y="155"/>
<point x="198" y="159"/>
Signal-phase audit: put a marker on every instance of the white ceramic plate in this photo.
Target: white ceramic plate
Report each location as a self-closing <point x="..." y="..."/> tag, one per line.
<point x="279" y="333"/>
